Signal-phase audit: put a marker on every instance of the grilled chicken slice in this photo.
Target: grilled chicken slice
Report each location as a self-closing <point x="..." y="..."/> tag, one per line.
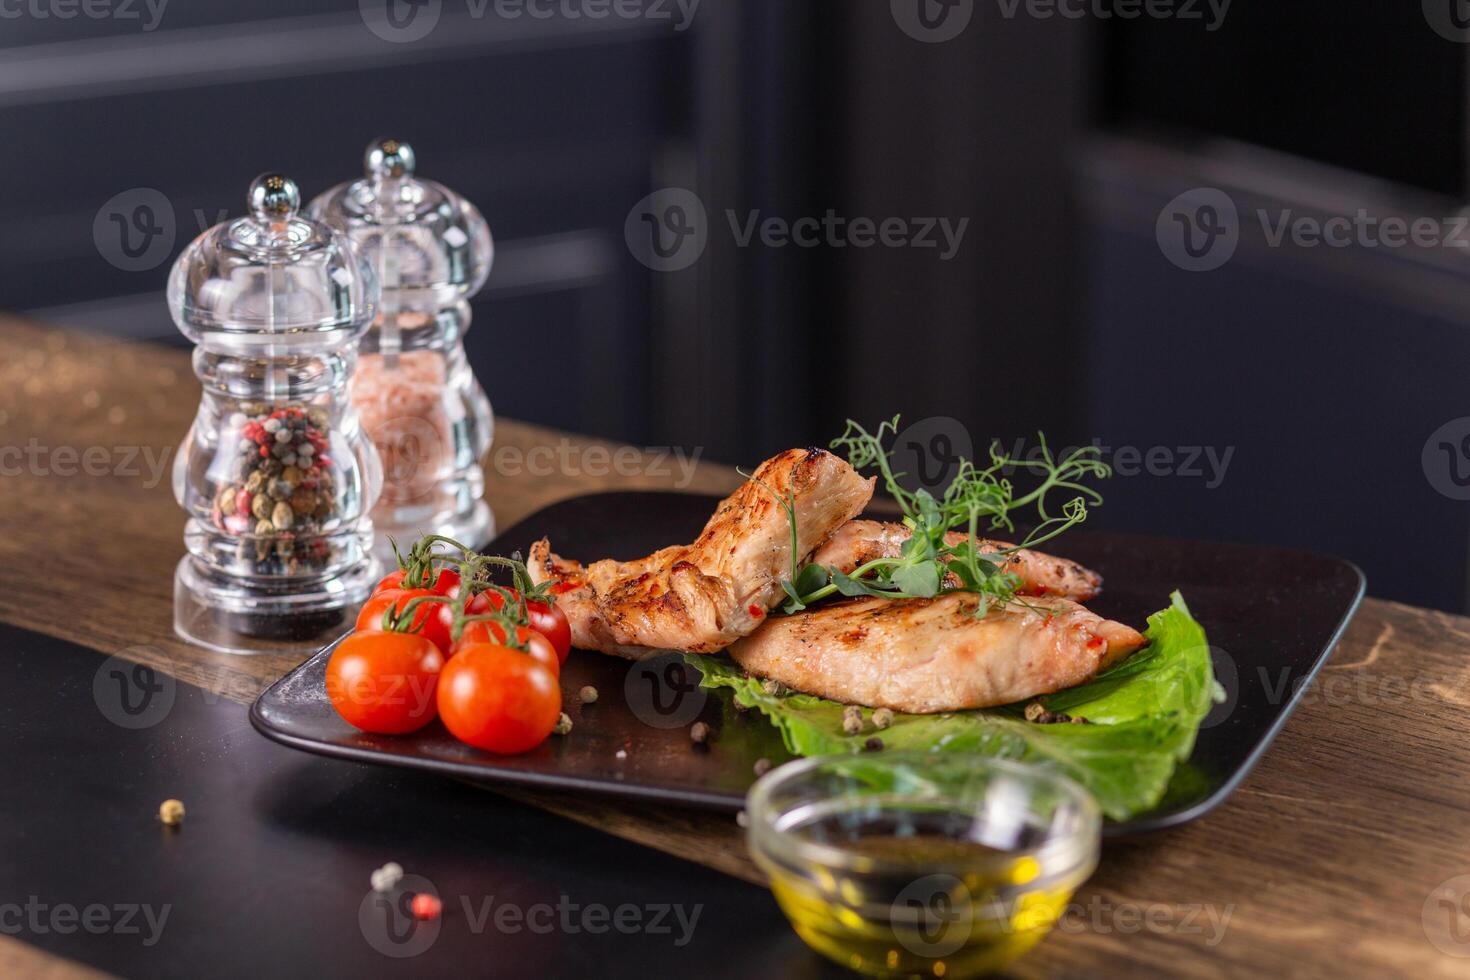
<point x="928" y="655"/>
<point x="859" y="542"/>
<point x="701" y="597"/>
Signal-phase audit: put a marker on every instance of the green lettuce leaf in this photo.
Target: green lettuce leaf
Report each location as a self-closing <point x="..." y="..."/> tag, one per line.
<point x="1144" y="715"/>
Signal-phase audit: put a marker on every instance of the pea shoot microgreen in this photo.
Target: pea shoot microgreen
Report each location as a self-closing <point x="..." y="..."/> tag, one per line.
<point x="928" y="564"/>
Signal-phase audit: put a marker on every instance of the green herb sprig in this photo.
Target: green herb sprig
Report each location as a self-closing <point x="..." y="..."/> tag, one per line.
<point x="975" y="496"/>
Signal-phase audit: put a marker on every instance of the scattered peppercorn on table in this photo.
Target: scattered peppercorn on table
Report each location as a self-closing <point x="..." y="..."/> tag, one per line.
<point x="1348" y="847"/>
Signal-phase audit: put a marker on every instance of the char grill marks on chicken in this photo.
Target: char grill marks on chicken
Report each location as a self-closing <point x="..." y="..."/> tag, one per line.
<point x="701" y="597"/>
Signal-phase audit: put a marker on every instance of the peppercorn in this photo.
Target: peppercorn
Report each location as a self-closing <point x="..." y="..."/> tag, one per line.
<point x="386" y="878"/>
<point x="281" y="516"/>
<point x="773" y="687"/>
<point x="588" y="694"/>
<point x="426" y="906"/>
<point x="852" y="719"/>
<point x="882" y="718"/>
<point x="171" y="812"/>
<point x="1035" y="710"/>
<point x="261" y="507"/>
<point x="563" y="724"/>
<point x="762" y="766"/>
<point x="699" y="733"/>
<point x="873" y="744"/>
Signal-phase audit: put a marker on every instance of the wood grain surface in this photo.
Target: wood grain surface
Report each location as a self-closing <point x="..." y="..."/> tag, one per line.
<point x="1326" y="861"/>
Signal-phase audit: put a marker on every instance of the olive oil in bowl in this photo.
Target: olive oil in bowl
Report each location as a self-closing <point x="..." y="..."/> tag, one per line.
<point x="918" y="864"/>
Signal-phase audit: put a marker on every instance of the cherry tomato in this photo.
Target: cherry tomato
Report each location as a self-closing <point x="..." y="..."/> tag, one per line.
<point x="477" y="606"/>
<point x="545" y="618"/>
<point x="446" y="583"/>
<point x="498" y="699"/>
<point x="428" y="620"/>
<point x="385" y="682"/>
<point x="488" y="632"/>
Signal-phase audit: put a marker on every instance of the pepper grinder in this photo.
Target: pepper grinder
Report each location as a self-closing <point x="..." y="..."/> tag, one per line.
<point x="276" y="475"/>
<point x="414" y="390"/>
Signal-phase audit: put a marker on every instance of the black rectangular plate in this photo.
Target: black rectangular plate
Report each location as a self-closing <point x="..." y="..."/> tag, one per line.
<point x="1272" y="616"/>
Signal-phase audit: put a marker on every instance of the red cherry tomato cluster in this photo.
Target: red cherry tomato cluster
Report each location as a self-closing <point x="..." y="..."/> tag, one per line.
<point x="485" y="660"/>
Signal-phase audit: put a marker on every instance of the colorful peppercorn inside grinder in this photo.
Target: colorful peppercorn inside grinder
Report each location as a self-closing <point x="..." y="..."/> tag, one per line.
<point x="414" y="391"/>
<point x="276" y="476"/>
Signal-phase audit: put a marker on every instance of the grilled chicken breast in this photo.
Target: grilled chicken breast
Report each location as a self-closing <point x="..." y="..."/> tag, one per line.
<point x="859" y="542"/>
<point x="928" y="655"/>
<point x="700" y="597"/>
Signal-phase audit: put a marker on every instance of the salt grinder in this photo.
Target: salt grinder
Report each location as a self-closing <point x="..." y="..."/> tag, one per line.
<point x="414" y="391"/>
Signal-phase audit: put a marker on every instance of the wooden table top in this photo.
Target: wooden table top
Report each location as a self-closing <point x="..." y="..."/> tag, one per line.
<point x="1333" y="855"/>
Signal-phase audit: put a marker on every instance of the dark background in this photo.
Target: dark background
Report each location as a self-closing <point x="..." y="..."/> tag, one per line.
<point x="1323" y="371"/>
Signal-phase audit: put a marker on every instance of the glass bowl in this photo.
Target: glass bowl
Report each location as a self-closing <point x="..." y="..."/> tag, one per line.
<point x="922" y="863"/>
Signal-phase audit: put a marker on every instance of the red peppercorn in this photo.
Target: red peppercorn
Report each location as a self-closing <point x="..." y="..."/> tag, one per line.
<point x="243" y="500"/>
<point x="426" y="906"/>
<point x="265" y="450"/>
